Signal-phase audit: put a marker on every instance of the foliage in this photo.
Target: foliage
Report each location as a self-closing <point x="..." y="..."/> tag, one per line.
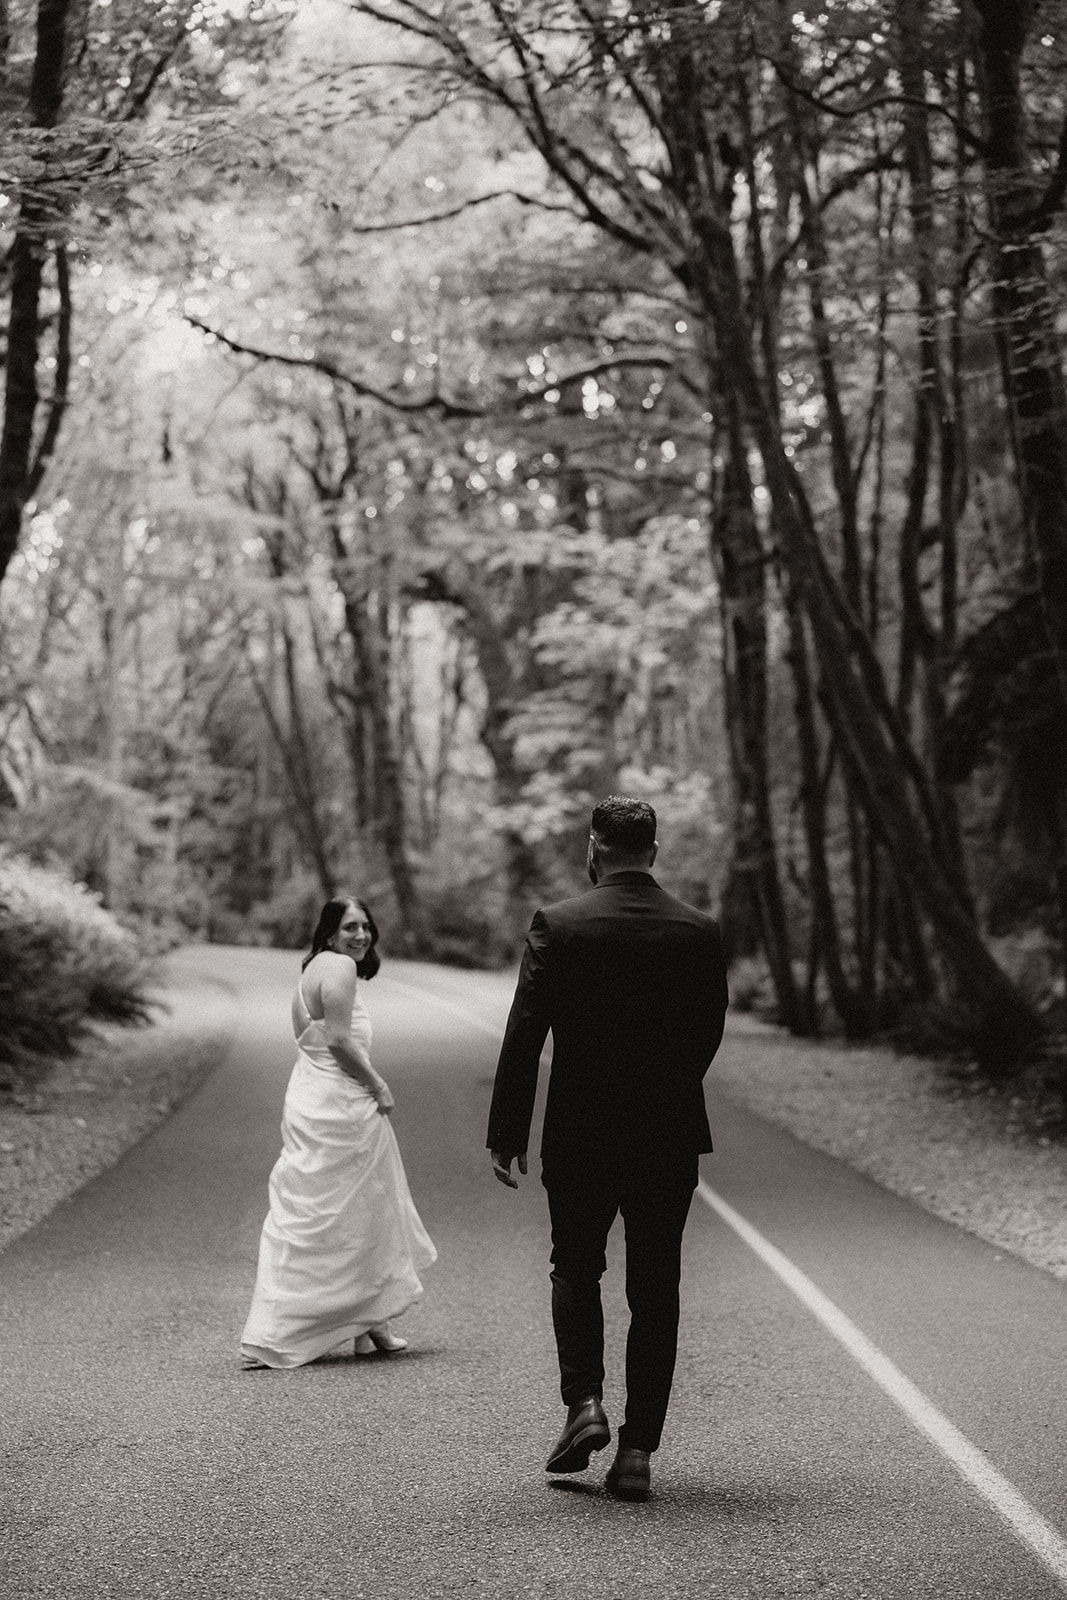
<point x="465" y="421"/>
<point x="751" y="987"/>
<point x="469" y="925"/>
<point x="64" y="963"/>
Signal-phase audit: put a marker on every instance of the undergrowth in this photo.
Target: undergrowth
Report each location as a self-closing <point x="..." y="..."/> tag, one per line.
<point x="65" y="963"/>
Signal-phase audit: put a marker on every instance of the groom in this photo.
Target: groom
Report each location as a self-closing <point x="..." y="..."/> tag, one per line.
<point x="632" y="984"/>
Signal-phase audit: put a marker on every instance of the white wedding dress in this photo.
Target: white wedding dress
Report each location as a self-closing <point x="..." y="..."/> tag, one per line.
<point x="343" y="1245"/>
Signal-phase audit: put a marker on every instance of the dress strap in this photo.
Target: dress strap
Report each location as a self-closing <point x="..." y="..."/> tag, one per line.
<point x="303" y="1001"/>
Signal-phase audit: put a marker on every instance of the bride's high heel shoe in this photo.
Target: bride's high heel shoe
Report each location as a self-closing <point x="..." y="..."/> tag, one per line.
<point x="382" y="1340"/>
<point x="386" y="1340"/>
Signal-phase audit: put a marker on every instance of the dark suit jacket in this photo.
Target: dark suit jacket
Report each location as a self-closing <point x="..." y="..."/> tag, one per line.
<point x="632" y="984"/>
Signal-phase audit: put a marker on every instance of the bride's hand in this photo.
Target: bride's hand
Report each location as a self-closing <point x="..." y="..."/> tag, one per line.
<point x="385" y="1100"/>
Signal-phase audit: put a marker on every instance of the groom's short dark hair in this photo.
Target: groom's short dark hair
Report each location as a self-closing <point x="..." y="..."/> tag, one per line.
<point x="625" y="825"/>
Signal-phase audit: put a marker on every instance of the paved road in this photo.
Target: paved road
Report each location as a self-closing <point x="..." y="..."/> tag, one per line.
<point x="140" y="1461"/>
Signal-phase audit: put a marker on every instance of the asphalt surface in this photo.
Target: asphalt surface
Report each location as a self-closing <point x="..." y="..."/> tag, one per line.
<point x="139" y="1460"/>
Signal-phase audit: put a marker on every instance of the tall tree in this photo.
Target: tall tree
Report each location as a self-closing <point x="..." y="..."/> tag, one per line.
<point x="75" y="147"/>
<point x="36" y="237"/>
<point x="646" y="154"/>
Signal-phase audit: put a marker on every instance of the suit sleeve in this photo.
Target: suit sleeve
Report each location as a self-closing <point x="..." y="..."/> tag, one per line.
<point x="524" y="1036"/>
<point x="718" y="999"/>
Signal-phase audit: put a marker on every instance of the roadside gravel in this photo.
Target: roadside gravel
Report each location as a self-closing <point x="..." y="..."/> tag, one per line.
<point x="900" y="1120"/>
<point x="895" y="1118"/>
<point x="97" y="1104"/>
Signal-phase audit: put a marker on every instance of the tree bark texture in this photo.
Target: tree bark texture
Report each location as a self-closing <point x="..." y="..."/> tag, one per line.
<point x="738" y="557"/>
<point x="1035" y="389"/>
<point x="1025" y="314"/>
<point x="504" y="690"/>
<point x="370" y="664"/>
<point x="29" y="250"/>
<point x="895" y="792"/>
<point x="1005" y="1024"/>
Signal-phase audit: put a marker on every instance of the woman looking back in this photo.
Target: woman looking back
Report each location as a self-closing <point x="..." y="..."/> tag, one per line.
<point x="342" y="1245"/>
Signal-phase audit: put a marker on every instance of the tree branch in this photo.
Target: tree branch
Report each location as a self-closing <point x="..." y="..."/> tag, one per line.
<point x="432" y="405"/>
<point x="573" y="166"/>
<point x="466" y="205"/>
<point x="1052" y="199"/>
<point x="847" y="112"/>
<point x="437" y="404"/>
<point x="60" y="387"/>
<point x="139" y="99"/>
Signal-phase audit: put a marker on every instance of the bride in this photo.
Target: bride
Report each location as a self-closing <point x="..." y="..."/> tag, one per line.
<point x="342" y="1246"/>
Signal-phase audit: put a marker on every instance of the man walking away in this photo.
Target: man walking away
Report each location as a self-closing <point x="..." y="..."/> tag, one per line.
<point x="632" y="984"/>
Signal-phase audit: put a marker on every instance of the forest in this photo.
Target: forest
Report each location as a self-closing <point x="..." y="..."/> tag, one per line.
<point x="424" y="417"/>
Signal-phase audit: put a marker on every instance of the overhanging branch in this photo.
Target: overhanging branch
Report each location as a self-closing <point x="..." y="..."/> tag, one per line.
<point x="438" y="405"/>
<point x="457" y="211"/>
<point x="873" y="103"/>
<point x="431" y="405"/>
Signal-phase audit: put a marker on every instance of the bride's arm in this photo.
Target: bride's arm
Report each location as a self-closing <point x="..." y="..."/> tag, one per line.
<point x="338" y="991"/>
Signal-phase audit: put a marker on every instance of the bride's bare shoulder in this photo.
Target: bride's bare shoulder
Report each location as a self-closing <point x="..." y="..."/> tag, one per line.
<point x="327" y="958"/>
<point x="331" y="971"/>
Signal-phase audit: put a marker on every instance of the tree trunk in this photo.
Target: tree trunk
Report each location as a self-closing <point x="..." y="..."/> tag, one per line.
<point x="388" y="819"/>
<point x="503" y="692"/>
<point x="924" y="640"/>
<point x="737" y="552"/>
<point x="1029" y="339"/>
<point x="1026" y="315"/>
<point x="894" y="790"/>
<point x="895" y="794"/>
<point x="739" y="562"/>
<point x="29" y="249"/>
<point x="292" y="747"/>
<point x="841" y="466"/>
<point x="855" y="1008"/>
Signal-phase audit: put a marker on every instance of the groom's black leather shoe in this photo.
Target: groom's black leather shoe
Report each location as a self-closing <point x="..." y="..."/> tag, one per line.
<point x="587" y="1430"/>
<point x="630" y="1474"/>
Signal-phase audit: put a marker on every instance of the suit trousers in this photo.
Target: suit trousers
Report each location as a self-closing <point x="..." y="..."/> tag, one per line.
<point x="653" y="1190"/>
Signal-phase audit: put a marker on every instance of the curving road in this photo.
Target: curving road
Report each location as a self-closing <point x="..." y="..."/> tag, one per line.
<point x="870" y="1404"/>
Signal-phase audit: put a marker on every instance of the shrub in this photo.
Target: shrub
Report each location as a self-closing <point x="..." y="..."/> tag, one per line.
<point x="64" y="963"/>
<point x="463" y="926"/>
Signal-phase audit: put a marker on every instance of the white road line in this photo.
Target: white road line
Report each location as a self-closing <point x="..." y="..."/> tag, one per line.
<point x="1026" y="1523"/>
<point x="495" y="1029"/>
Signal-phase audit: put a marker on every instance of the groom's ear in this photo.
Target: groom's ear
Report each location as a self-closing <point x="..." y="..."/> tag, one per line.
<point x="655" y="853"/>
<point x="592" y="860"/>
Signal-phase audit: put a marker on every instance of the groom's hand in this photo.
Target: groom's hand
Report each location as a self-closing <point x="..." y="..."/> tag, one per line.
<point x="502" y="1160"/>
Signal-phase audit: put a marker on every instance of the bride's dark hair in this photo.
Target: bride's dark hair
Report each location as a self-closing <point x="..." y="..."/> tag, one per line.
<point x="330" y="918"/>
